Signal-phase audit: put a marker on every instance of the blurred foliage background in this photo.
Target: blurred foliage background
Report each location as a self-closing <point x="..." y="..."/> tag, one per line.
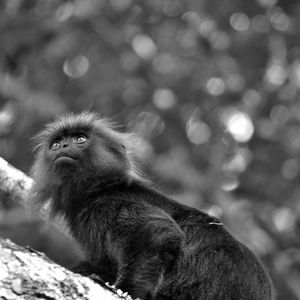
<point x="210" y="87"/>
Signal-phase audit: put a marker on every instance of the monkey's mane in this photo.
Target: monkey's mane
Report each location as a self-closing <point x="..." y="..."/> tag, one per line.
<point x="86" y="121"/>
<point x="92" y="123"/>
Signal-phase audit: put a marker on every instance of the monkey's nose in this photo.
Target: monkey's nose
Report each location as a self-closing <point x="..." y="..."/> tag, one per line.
<point x="65" y="145"/>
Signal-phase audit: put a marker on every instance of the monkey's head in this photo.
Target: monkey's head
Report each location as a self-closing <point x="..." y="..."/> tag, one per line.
<point x="80" y="147"/>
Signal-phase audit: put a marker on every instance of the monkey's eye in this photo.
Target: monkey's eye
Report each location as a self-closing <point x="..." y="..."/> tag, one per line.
<point x="55" y="145"/>
<point x="80" y="139"/>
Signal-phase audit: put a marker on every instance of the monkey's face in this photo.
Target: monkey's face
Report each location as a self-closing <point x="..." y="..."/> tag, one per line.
<point x="80" y="147"/>
<point x="85" y="154"/>
<point x="68" y="151"/>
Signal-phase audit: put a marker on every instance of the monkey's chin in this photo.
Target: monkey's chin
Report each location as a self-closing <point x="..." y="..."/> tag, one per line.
<point x="65" y="160"/>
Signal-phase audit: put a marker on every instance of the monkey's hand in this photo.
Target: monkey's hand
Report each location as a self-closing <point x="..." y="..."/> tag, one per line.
<point x="86" y="269"/>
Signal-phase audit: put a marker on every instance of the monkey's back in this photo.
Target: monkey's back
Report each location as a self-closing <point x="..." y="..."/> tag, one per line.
<point x="215" y="266"/>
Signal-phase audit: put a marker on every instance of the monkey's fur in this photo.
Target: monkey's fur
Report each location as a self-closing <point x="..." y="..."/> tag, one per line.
<point x="133" y="236"/>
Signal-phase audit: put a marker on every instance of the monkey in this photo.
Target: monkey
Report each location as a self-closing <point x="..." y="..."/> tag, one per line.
<point x="132" y="235"/>
<point x="128" y="243"/>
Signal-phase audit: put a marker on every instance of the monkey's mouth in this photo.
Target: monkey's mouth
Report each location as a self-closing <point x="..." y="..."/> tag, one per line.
<point x="64" y="159"/>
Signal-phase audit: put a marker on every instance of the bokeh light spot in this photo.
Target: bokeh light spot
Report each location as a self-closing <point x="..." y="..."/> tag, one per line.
<point x="216" y="211"/>
<point x="235" y="82"/>
<point x="276" y="74"/>
<point x="7" y="118"/>
<point x="290" y="168"/>
<point x="230" y="184"/>
<point x="164" y="98"/>
<point x="149" y="124"/>
<point x="76" y="67"/>
<point x="280" y="21"/>
<point x="197" y="131"/>
<point x="207" y="27"/>
<point x="240" y="126"/>
<point x="64" y="11"/>
<point x="164" y="63"/>
<point x="239" y="21"/>
<point x="219" y="40"/>
<point x="284" y="219"/>
<point x="238" y="163"/>
<point x="143" y="46"/>
<point x="280" y="114"/>
<point x="192" y="18"/>
<point x="215" y="86"/>
<point x="251" y="98"/>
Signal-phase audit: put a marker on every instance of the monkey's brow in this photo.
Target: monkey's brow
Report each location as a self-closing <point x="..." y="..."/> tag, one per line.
<point x="75" y="131"/>
<point x="69" y="132"/>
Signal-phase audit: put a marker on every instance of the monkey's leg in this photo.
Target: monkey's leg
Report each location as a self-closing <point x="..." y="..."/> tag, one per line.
<point x="142" y="277"/>
<point x="148" y="258"/>
<point x="103" y="272"/>
<point x="84" y="268"/>
<point x="99" y="274"/>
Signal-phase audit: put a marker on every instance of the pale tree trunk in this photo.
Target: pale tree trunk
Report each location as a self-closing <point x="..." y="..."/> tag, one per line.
<point x="28" y="274"/>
